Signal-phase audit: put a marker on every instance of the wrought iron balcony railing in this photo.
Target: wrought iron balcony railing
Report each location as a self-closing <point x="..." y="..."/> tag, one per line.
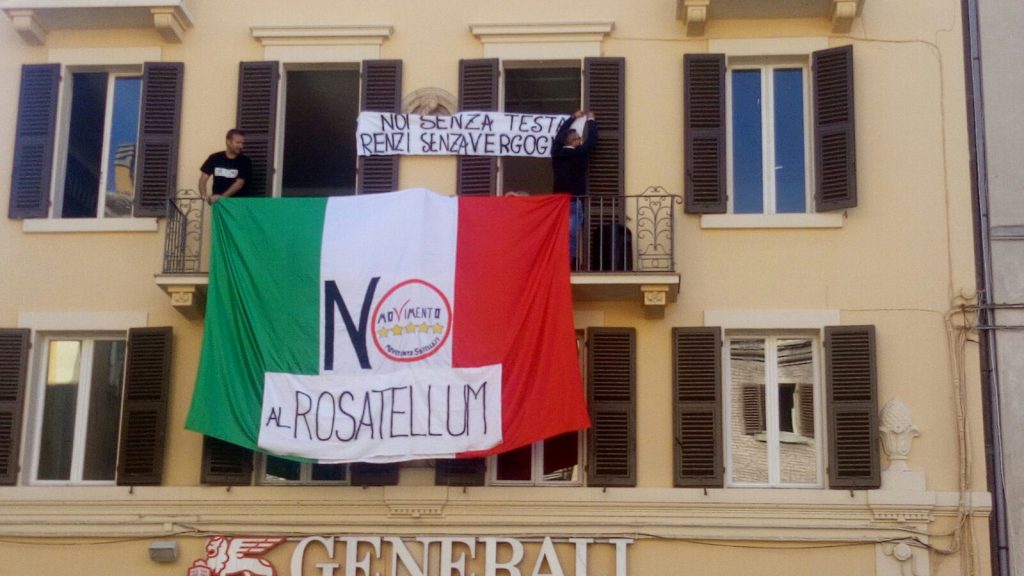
<point x="630" y="233"/>
<point x="183" y="245"/>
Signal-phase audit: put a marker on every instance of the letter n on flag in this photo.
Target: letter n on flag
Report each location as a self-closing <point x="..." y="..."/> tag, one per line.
<point x="389" y="327"/>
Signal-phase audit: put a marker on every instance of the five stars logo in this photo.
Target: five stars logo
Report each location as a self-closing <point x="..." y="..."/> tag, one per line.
<point x="412" y="321"/>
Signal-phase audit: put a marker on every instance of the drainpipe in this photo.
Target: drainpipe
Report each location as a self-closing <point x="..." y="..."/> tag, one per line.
<point x="999" y="536"/>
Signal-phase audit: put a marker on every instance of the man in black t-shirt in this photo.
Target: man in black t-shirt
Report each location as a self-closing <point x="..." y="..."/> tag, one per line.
<point x="230" y="169"/>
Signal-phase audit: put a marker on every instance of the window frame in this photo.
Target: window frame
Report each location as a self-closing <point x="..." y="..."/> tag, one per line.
<point x="305" y="475"/>
<point x="37" y="402"/>
<point x="767" y="65"/>
<point x="771" y="407"/>
<point x="277" y="181"/>
<point x="542" y="64"/>
<point x="63" y="134"/>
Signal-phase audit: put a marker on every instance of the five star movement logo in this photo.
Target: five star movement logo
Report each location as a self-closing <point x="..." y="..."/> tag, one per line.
<point x="412" y="321"/>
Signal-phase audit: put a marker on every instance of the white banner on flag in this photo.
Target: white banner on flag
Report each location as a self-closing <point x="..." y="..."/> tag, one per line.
<point x="461" y="134"/>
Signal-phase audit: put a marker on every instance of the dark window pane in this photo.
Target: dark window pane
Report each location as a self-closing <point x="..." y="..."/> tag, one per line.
<point x="786" y="392"/>
<point x="59" y="401"/>
<point x="329" y="472"/>
<point x="124" y="137"/>
<point x="319" y="128"/>
<point x="281" y="469"/>
<point x="516" y="464"/>
<point x="85" y="145"/>
<point x="104" y="410"/>
<point x="537" y="91"/>
<point x="561" y="457"/>
<point x="790" y="174"/>
<point x="747" y="157"/>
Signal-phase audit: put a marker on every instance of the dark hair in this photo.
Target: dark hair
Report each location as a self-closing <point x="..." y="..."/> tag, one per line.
<point x="234" y="132"/>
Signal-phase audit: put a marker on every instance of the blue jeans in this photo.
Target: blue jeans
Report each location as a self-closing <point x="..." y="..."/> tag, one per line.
<point x="575" y="223"/>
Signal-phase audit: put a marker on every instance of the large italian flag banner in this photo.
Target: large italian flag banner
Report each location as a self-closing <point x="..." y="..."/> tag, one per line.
<point x="389" y="327"/>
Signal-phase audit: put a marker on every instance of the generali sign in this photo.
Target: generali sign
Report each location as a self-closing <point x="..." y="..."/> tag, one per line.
<point x="418" y="556"/>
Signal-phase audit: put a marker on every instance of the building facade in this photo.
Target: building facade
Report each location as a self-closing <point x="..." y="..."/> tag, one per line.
<point x="774" y="296"/>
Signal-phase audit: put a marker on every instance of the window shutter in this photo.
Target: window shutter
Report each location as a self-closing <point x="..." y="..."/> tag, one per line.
<point x="156" y="174"/>
<point x="806" y="409"/>
<point x="382" y="92"/>
<point x="697" y="374"/>
<point x="604" y="94"/>
<point x="257" y="117"/>
<point x="140" y="458"/>
<point x="464" y="472"/>
<point x="754" y="416"/>
<point x="611" y="395"/>
<point x="14" y="344"/>
<point x="225" y="464"/>
<point x="704" y="131"/>
<point x="33" y="141"/>
<point x="835" y="148"/>
<point x="364" y="474"/>
<point x="852" y="407"/>
<point x="478" y="90"/>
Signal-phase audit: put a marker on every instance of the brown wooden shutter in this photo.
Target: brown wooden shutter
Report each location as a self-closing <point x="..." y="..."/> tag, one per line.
<point x="257" y="117"/>
<point x="382" y="92"/>
<point x="364" y="474"/>
<point x="478" y="90"/>
<point x="611" y="395"/>
<point x="852" y="407"/>
<point x="140" y="459"/>
<point x="464" y="472"/>
<point x="225" y="464"/>
<point x="806" y="409"/>
<point x="14" y="345"/>
<point x="835" y="148"/>
<point x="754" y="416"/>
<point x="33" y="141"/>
<point x="697" y="374"/>
<point x="604" y="94"/>
<point x="704" y="133"/>
<point x="156" y="174"/>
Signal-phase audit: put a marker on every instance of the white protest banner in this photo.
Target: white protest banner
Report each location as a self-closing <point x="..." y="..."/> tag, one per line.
<point x="461" y="134"/>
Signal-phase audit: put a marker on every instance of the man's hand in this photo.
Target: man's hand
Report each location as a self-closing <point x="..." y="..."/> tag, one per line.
<point x="213" y="199"/>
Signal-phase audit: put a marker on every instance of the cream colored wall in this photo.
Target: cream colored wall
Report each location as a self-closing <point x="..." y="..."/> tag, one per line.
<point x="897" y="262"/>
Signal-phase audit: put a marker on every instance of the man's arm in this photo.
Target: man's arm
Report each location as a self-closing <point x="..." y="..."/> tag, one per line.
<point x="591" y="131"/>
<point x="203" y="179"/>
<point x="559" y="140"/>
<point x="235" y="187"/>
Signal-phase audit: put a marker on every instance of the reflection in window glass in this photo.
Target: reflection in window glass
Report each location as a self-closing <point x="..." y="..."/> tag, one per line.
<point x="797" y="449"/>
<point x="790" y="171"/>
<point x="104" y="408"/>
<point x="747" y="398"/>
<point x="59" y="406"/>
<point x="561" y="457"/>
<point x="121" y="152"/>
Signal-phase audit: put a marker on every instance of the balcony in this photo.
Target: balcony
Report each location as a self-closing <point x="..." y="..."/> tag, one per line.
<point x="626" y="251"/>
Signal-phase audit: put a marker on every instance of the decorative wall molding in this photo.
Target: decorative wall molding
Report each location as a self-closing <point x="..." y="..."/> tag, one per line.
<point x="34" y="18"/>
<point x="322" y="35"/>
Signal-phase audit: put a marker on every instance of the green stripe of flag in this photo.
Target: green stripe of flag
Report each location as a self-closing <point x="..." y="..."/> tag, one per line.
<point x="263" y="309"/>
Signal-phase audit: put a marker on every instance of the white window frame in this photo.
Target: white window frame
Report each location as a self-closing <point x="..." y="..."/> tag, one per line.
<point x="771" y="405"/>
<point x="305" y="475"/>
<point x="504" y="64"/>
<point x="284" y="68"/>
<point x="37" y="400"/>
<point x="63" y="134"/>
<point x="766" y="66"/>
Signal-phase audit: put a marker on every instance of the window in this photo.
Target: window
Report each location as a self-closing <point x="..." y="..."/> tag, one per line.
<point x="537" y="88"/>
<point x="761" y="132"/>
<point x="80" y="387"/>
<point x="771" y="411"/>
<point x="318" y="157"/>
<point x="309" y="138"/>
<point x="102" y="139"/>
<point x="116" y="154"/>
<point x="553" y="461"/>
<point x="753" y="409"/>
<point x="274" y="470"/>
<point x="768" y="165"/>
